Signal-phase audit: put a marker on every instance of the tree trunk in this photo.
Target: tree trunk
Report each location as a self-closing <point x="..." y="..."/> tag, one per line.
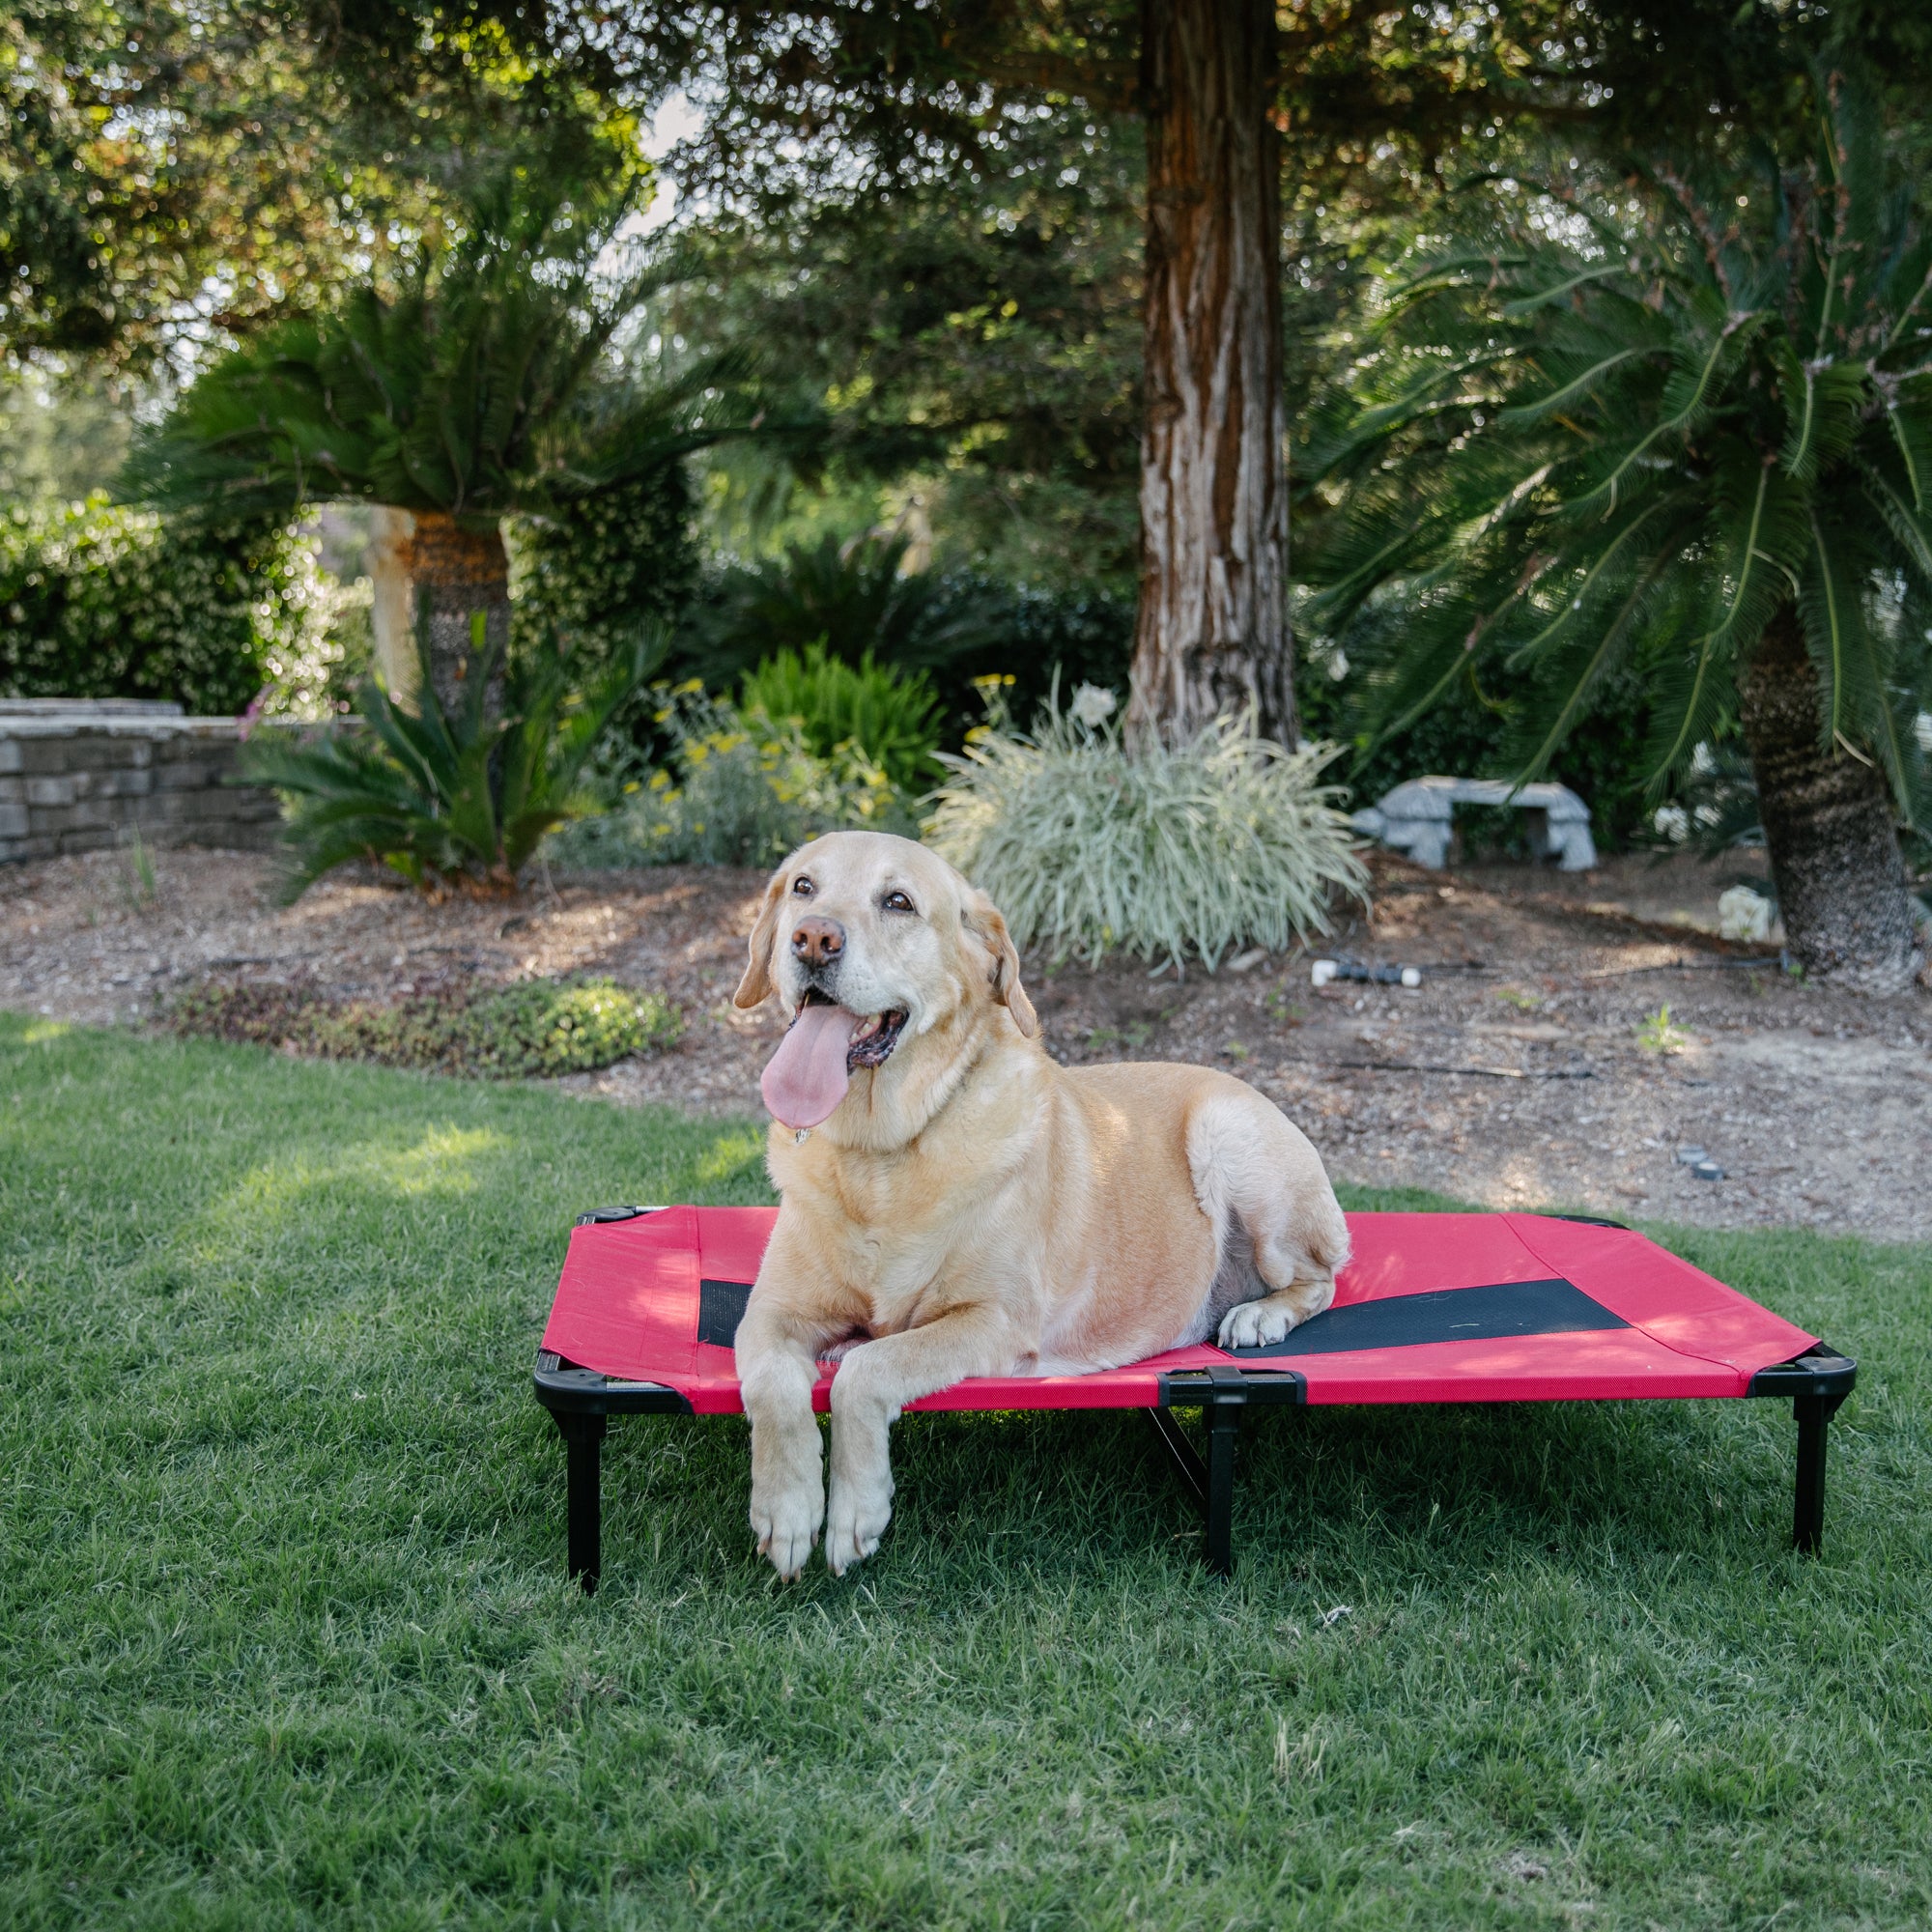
<point x="428" y="567"/>
<point x="391" y="614"/>
<point x="1211" y="633"/>
<point x="1829" y="826"/>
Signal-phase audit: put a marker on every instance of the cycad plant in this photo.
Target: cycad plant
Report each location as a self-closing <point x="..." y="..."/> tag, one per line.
<point x="448" y="797"/>
<point x="1683" y="425"/>
<point x="855" y="598"/>
<point x="481" y="385"/>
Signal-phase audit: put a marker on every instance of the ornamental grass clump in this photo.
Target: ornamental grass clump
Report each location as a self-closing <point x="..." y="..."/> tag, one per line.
<point x="1228" y="841"/>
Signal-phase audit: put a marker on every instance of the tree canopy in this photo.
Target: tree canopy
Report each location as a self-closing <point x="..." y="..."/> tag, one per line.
<point x="168" y="168"/>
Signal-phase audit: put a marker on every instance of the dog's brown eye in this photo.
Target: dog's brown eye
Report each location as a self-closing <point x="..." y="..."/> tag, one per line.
<point x="802" y="888"/>
<point x="896" y="902"/>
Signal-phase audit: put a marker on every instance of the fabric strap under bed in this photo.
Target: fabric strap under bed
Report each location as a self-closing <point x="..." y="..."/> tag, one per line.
<point x="1432" y="1308"/>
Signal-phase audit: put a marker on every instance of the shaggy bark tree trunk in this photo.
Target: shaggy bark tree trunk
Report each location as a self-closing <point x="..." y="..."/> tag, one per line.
<point x="1211" y="633"/>
<point x="426" y="565"/>
<point x="1829" y="826"/>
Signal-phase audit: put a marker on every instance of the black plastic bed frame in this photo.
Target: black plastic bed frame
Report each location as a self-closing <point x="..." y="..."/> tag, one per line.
<point x="581" y="1402"/>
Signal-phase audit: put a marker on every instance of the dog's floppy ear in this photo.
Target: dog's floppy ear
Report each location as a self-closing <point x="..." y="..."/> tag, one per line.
<point x="982" y="918"/>
<point x="757" y="983"/>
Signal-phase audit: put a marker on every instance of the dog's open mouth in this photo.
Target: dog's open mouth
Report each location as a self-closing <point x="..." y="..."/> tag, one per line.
<point x="872" y="1040"/>
<point x="823" y="1047"/>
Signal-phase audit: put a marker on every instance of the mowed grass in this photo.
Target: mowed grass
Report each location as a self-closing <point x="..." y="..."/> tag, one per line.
<point x="286" y="1640"/>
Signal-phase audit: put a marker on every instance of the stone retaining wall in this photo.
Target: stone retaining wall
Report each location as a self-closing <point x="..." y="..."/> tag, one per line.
<point x="79" y="774"/>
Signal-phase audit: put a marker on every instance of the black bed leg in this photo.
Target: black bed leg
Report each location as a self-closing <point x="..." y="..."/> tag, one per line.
<point x="1224" y="1421"/>
<point x="583" y="1442"/>
<point x="1813" y="1413"/>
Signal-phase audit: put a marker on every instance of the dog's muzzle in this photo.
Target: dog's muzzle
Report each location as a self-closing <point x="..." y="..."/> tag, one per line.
<point x="873" y="1037"/>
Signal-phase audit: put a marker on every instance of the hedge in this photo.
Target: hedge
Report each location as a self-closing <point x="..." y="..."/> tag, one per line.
<point x="100" y="601"/>
<point x="594" y="573"/>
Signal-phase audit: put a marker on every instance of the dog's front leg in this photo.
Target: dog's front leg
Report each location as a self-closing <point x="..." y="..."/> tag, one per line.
<point x="776" y="1372"/>
<point x="873" y="1383"/>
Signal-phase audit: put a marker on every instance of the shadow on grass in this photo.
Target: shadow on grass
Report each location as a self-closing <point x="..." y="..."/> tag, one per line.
<point x="1446" y="1493"/>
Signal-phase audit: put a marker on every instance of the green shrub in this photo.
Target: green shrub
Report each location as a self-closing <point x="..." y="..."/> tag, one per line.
<point x="98" y="601"/>
<point x="741" y="791"/>
<point x="1035" y="638"/>
<point x="597" y="568"/>
<point x="532" y="1028"/>
<point x="587" y="574"/>
<point x="955" y="627"/>
<point x="317" y="680"/>
<point x="851" y="597"/>
<point x="1226" y="841"/>
<point x="891" y="718"/>
<point x="444" y="800"/>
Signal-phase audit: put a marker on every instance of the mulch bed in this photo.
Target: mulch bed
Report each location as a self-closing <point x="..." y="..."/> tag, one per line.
<point x="1515" y="1075"/>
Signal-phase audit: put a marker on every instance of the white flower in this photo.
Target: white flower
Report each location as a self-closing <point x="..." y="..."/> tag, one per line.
<point x="1742" y="914"/>
<point x="1093" y="704"/>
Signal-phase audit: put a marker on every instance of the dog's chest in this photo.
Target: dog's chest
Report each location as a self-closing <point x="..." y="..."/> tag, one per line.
<point x="898" y="1285"/>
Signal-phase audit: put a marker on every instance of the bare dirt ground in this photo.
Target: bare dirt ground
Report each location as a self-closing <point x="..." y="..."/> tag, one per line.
<point x="1526" y="1070"/>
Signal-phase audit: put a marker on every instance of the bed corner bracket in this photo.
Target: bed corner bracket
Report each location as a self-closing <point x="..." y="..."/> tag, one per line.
<point x="580" y="1403"/>
<point x="1220" y="1391"/>
<point x="1817" y="1381"/>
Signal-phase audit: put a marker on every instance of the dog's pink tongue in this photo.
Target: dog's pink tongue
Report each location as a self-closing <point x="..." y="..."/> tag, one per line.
<point x="806" y="1078"/>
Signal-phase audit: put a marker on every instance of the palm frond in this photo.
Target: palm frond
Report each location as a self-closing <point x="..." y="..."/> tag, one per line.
<point x="1594" y="581"/>
<point x="1572" y="462"/>
<point x="1824" y="404"/>
<point x="1699" y="370"/>
<point x="1852" y="656"/>
<point x="1908" y="412"/>
<point x="481" y="387"/>
<point x="1910" y="529"/>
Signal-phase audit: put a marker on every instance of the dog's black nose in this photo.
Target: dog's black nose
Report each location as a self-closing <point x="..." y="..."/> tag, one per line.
<point x="817" y="940"/>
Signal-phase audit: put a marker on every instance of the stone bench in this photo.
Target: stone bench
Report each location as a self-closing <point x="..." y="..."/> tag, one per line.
<point x="78" y="773"/>
<point x="1418" y="817"/>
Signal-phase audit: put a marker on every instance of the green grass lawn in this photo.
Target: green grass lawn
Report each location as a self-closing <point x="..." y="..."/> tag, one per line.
<point x="286" y="1637"/>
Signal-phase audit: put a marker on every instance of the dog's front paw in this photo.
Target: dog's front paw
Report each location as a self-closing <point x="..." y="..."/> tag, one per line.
<point x="855" y="1522"/>
<point x="786" y="1522"/>
<point x="1254" y="1324"/>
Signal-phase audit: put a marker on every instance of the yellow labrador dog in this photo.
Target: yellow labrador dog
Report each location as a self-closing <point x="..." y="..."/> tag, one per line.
<point x="955" y="1204"/>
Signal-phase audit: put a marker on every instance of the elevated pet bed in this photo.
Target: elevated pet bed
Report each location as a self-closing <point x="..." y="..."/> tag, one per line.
<point x="1432" y="1308"/>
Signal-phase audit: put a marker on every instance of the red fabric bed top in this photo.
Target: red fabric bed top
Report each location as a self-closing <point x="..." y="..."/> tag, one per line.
<point x="1433" y="1308"/>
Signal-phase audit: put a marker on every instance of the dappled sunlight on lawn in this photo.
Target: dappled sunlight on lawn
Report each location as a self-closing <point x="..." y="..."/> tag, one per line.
<point x="442" y="1163"/>
<point x="729" y="1154"/>
<point x="38" y="1033"/>
<point x="285" y="1610"/>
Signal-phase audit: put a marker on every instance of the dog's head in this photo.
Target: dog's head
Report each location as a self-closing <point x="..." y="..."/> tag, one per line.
<point x="888" y="937"/>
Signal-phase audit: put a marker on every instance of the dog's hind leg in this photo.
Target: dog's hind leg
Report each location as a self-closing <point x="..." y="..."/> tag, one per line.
<point x="1276" y="1218"/>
